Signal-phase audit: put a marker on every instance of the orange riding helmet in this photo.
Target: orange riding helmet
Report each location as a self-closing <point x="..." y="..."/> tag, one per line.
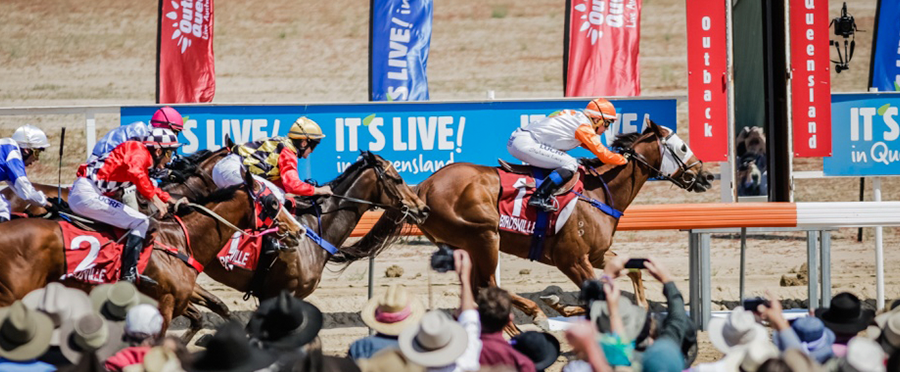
<point x="601" y="112"/>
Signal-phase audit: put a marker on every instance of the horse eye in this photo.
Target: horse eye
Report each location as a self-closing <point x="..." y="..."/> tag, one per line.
<point x="684" y="148"/>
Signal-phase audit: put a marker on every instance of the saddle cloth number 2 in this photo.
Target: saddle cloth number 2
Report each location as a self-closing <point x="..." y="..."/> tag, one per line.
<point x="88" y="261"/>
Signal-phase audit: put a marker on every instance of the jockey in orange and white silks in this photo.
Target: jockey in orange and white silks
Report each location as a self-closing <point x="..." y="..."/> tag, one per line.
<point x="543" y="143"/>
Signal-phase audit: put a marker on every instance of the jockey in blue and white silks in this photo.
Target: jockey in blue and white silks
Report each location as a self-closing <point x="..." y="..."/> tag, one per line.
<point x="165" y="117"/>
<point x="16" y="153"/>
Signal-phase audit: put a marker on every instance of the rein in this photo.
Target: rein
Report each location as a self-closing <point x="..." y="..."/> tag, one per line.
<point x="659" y="173"/>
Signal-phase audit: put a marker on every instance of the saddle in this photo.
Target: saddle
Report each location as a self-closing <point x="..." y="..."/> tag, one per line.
<point x="529" y="171"/>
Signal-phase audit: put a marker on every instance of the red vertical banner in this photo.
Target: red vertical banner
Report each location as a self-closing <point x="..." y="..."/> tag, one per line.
<point x="603" y="45"/>
<point x="810" y="78"/>
<point x="707" y="69"/>
<point x="185" y="63"/>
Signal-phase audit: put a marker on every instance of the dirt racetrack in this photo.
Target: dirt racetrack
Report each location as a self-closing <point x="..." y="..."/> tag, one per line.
<point x="66" y="52"/>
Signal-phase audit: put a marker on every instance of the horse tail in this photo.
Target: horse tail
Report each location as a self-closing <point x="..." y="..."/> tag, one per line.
<point x="383" y="234"/>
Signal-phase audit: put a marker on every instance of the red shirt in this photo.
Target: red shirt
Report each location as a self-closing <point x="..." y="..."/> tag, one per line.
<point x="126" y="357"/>
<point x="290" y="179"/>
<point x="496" y="351"/>
<point x="127" y="164"/>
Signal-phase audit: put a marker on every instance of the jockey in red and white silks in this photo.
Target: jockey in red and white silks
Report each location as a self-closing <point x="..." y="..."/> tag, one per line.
<point x="543" y="143"/>
<point x="128" y="164"/>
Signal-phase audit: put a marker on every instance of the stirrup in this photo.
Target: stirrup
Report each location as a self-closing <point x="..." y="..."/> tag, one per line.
<point x="545" y="204"/>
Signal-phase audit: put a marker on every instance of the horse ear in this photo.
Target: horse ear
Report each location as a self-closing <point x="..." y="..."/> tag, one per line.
<point x="229" y="143"/>
<point x="654" y="127"/>
<point x="249" y="181"/>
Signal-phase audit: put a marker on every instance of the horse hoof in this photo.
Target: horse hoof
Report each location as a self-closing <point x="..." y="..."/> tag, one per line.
<point x="203" y="340"/>
<point x="550" y="300"/>
<point x="543" y="323"/>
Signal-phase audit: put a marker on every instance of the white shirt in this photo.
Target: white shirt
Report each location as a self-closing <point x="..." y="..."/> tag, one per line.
<point x="558" y="131"/>
<point x="468" y="361"/>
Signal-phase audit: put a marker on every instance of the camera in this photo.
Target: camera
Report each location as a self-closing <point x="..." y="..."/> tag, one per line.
<point x="592" y="290"/>
<point x="844" y="25"/>
<point x="442" y="259"/>
<point x="751" y="304"/>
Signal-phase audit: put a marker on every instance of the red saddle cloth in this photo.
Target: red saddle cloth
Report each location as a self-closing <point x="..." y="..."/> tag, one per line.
<point x="95" y="257"/>
<point x="241" y="251"/>
<point x="515" y="214"/>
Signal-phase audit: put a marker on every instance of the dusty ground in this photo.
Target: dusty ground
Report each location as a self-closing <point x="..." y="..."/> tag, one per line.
<point x="65" y="52"/>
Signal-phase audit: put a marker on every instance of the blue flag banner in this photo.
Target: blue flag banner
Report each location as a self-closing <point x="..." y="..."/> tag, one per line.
<point x="865" y="133"/>
<point x="886" y="54"/>
<point x="398" y="49"/>
<point x="419" y="138"/>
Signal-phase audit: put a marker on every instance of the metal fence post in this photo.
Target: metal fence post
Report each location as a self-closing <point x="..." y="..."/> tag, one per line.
<point x="826" y="267"/>
<point x="693" y="278"/>
<point x="705" y="280"/>
<point x="811" y="269"/>
<point x="90" y="132"/>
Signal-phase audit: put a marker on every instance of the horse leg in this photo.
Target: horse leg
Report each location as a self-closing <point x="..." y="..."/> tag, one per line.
<point x="578" y="271"/>
<point x="202" y="297"/>
<point x="638" y="284"/>
<point x="193" y="314"/>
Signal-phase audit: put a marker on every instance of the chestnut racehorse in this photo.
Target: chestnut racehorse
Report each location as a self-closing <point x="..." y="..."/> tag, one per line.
<point x="463" y="201"/>
<point x="32" y="250"/>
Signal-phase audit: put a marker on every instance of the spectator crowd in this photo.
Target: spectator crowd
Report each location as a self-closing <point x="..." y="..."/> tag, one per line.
<point x="116" y="328"/>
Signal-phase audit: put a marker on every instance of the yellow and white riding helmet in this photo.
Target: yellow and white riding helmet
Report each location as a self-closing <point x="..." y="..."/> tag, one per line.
<point x="306" y="128"/>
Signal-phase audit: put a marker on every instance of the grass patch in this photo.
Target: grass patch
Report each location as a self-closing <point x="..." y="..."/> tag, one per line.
<point x="499" y="11"/>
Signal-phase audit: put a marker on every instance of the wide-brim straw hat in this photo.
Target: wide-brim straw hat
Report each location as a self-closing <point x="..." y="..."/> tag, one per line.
<point x="91" y="333"/>
<point x="393" y="311"/>
<point x="62" y="304"/>
<point x="436" y="342"/>
<point x="113" y="301"/>
<point x="24" y="333"/>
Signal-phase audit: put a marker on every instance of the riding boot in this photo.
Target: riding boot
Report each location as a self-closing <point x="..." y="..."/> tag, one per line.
<point x="543" y="196"/>
<point x="3" y="219"/>
<point x="130" y="255"/>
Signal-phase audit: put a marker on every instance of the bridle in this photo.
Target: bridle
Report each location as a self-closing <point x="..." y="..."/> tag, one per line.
<point x="667" y="153"/>
<point x="383" y="178"/>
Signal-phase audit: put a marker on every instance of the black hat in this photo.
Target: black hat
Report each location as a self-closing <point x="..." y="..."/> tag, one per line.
<point x="230" y="351"/>
<point x="542" y="348"/>
<point x="285" y="322"/>
<point x="845" y="315"/>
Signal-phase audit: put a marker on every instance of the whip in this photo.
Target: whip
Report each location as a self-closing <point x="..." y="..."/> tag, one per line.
<point x="62" y="143"/>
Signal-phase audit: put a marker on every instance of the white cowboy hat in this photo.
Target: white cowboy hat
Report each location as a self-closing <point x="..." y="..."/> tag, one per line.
<point x="113" y="301"/>
<point x="24" y="333"/>
<point x="91" y="333"/>
<point x="436" y="342"/>
<point x="739" y="328"/>
<point x="393" y="311"/>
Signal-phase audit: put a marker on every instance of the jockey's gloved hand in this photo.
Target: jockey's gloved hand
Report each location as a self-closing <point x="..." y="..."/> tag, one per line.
<point x="627" y="156"/>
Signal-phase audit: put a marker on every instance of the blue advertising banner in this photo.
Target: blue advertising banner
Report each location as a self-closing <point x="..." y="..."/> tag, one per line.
<point x="398" y="49"/>
<point x="864" y="135"/>
<point x="419" y="138"/>
<point x="885" y="67"/>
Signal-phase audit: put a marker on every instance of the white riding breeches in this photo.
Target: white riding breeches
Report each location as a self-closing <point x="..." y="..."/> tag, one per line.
<point x="227" y="172"/>
<point x="4" y="207"/>
<point x="524" y="147"/>
<point x="86" y="200"/>
<point x="129" y="197"/>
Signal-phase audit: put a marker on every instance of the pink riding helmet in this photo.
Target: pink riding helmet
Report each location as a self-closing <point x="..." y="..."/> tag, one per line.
<point x="168" y="118"/>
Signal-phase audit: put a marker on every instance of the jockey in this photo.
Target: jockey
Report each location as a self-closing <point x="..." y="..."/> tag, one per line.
<point x="129" y="163"/>
<point x="273" y="161"/>
<point x="542" y="143"/>
<point x="16" y="153"/>
<point x="165" y="117"/>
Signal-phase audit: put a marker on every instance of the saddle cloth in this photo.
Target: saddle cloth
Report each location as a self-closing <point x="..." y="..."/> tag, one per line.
<point x="95" y="257"/>
<point x="515" y="214"/>
<point x="241" y="251"/>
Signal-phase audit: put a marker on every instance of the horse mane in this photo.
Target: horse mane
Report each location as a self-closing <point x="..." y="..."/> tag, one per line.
<point x="627" y="140"/>
<point x="181" y="169"/>
<point x="360" y="163"/>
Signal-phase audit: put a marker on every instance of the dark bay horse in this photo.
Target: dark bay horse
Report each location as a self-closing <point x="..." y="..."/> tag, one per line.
<point x="32" y="250"/>
<point x="463" y="201"/>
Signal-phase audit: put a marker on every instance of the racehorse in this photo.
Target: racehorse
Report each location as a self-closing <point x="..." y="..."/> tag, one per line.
<point x="32" y="250"/>
<point x="370" y="181"/>
<point x="463" y="200"/>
